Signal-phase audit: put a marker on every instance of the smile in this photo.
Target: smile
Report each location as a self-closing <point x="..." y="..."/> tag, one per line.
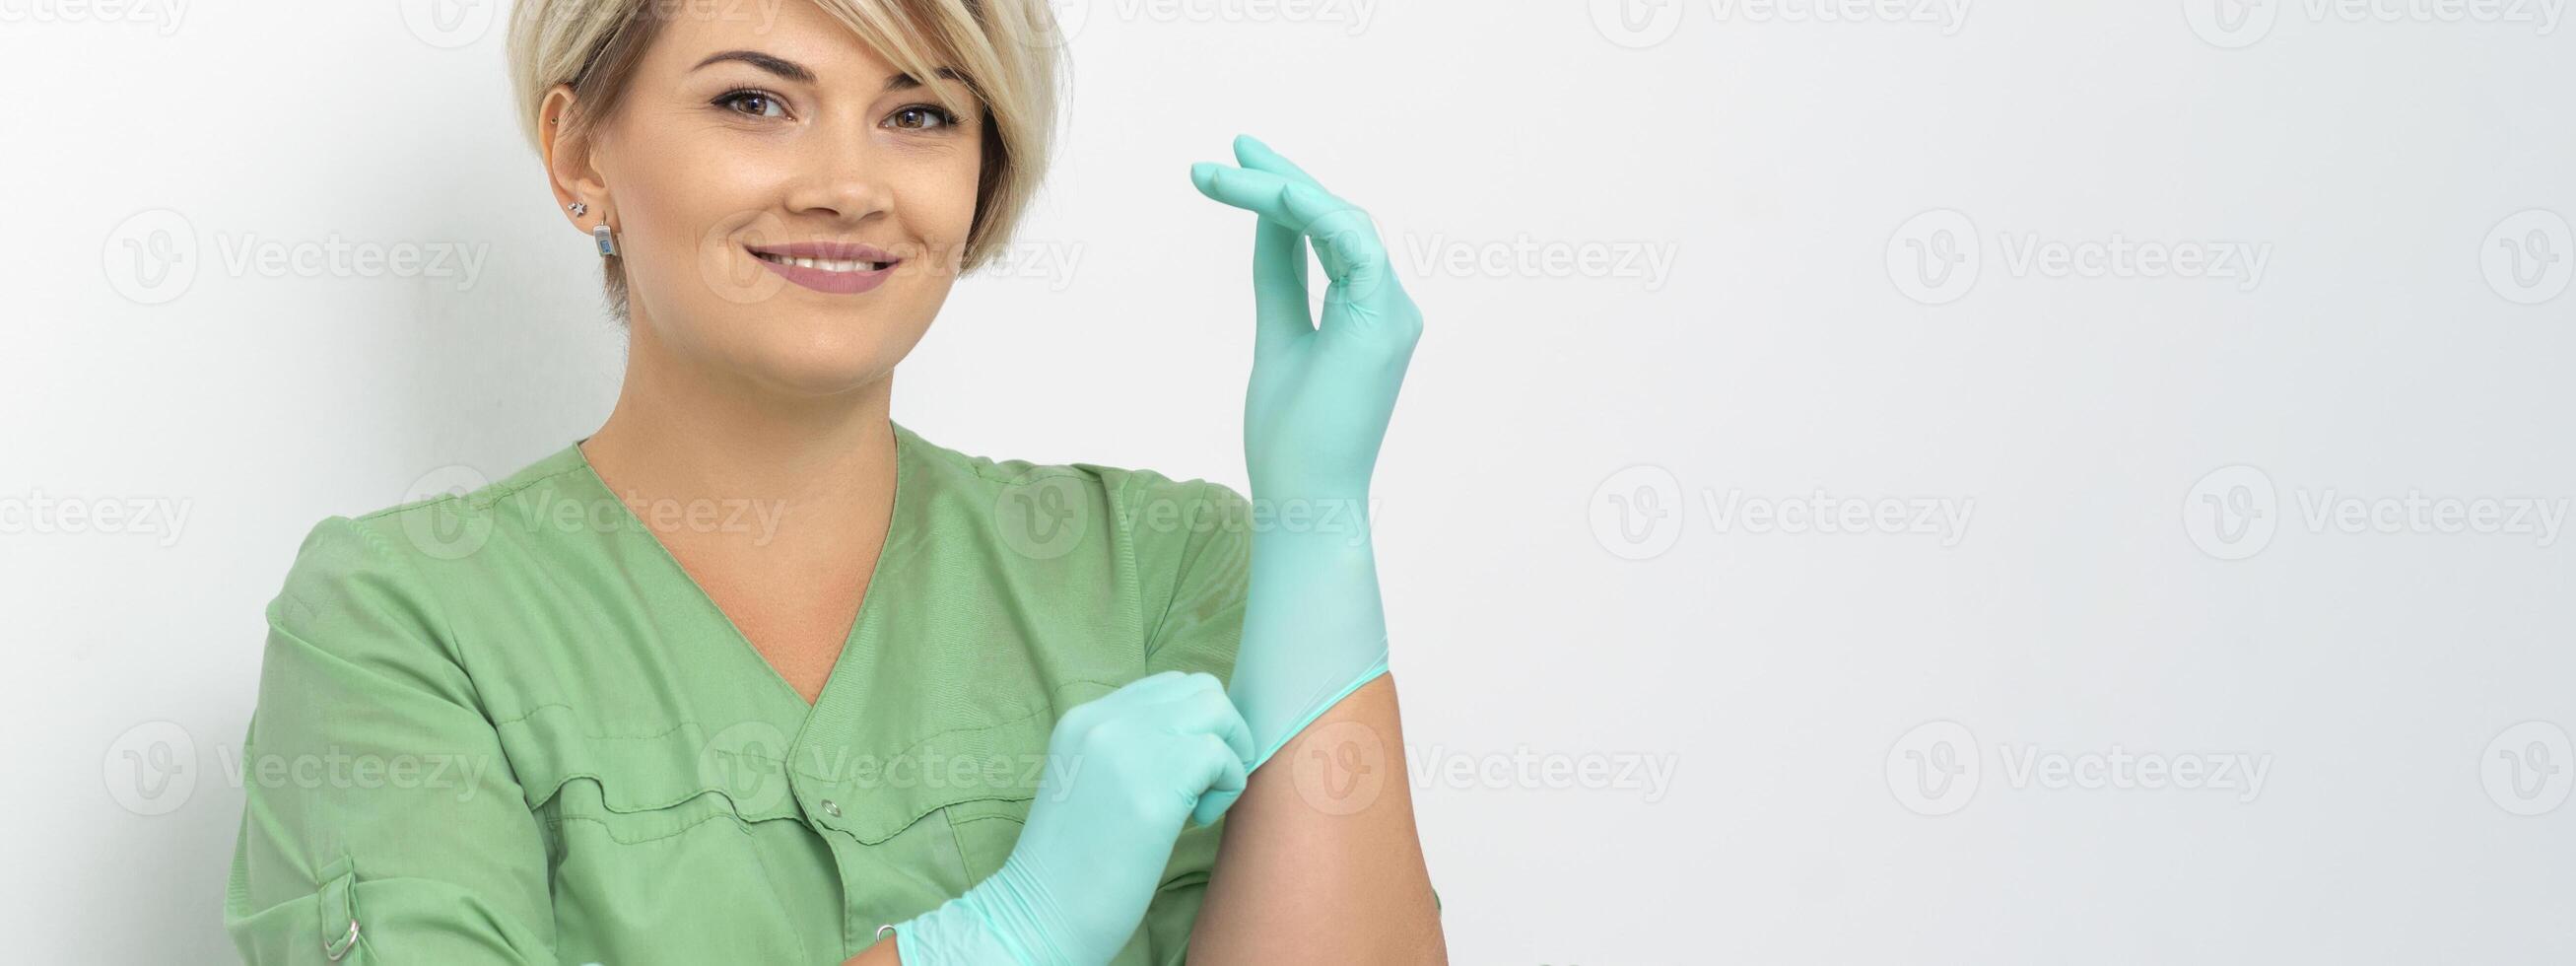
<point x="824" y="264"/>
<point x="836" y="268"/>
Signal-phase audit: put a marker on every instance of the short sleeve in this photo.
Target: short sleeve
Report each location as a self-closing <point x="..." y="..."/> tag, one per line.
<point x="381" y="822"/>
<point x="1193" y="543"/>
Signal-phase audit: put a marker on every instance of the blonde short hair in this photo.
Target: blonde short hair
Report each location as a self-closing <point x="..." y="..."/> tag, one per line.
<point x="1006" y="50"/>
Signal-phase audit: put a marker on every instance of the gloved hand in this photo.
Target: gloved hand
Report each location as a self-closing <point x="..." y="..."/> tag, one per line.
<point x="1317" y="409"/>
<point x="1124" y="771"/>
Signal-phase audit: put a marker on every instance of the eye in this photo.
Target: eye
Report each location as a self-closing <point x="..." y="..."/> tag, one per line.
<point x="916" y="117"/>
<point x="756" y="103"/>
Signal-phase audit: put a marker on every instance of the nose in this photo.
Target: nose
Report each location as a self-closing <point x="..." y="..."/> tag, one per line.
<point x="839" y="177"/>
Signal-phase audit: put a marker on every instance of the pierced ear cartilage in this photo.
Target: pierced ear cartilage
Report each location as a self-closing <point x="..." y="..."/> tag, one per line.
<point x="578" y="209"/>
<point x="607" y="245"/>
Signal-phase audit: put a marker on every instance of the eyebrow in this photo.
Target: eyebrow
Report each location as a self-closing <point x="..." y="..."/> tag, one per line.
<point x="794" y="71"/>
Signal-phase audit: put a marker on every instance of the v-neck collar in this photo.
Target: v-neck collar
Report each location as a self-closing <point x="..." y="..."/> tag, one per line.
<point x="861" y="622"/>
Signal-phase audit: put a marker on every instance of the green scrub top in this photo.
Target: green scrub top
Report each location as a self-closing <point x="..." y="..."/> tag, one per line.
<point x="507" y="727"/>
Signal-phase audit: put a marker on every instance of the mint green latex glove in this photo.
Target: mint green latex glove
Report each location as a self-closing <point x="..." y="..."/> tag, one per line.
<point x="1123" y="772"/>
<point x="1314" y="629"/>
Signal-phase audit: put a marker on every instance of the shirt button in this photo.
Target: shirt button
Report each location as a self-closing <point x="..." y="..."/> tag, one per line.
<point x="831" y="808"/>
<point x="340" y="947"/>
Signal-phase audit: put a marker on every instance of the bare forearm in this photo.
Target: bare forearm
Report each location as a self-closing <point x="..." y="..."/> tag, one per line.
<point x="881" y="954"/>
<point x="1321" y="861"/>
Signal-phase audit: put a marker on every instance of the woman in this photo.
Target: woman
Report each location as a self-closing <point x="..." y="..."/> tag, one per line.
<point x="755" y="674"/>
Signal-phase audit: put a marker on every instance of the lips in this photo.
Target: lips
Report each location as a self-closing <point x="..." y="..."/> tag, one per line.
<point x="840" y="268"/>
<point x="827" y="256"/>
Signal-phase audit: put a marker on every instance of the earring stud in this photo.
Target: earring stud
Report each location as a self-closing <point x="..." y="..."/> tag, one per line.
<point x="607" y="244"/>
<point x="578" y="209"/>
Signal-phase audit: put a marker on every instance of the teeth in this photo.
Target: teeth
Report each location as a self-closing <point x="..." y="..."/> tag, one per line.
<point x="823" y="264"/>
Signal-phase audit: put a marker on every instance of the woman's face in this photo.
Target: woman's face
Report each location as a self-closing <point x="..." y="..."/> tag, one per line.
<point x="744" y="144"/>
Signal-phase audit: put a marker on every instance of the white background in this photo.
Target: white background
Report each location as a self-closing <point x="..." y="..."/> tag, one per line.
<point x="2396" y="167"/>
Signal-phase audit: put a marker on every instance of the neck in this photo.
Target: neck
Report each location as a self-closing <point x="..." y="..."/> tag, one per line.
<point x="682" y="436"/>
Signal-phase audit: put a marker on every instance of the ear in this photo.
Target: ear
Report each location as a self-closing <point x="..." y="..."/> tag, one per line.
<point x="568" y="163"/>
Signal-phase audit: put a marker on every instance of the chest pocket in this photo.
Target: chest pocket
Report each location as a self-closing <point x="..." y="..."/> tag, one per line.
<point x="975" y="783"/>
<point x="780" y="845"/>
<point x="656" y="784"/>
<point x="986" y="830"/>
<point x="652" y="857"/>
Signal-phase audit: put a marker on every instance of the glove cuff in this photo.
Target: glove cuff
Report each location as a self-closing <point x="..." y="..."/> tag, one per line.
<point x="954" y="934"/>
<point x="996" y="922"/>
<point x="1314" y="708"/>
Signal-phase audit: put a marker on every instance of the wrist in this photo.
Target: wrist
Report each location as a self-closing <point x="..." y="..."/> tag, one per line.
<point x="1320" y="517"/>
<point x="956" y="933"/>
<point x="1315" y="485"/>
<point x="1001" y="920"/>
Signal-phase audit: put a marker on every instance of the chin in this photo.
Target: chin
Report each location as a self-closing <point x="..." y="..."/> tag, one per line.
<point x="824" y="357"/>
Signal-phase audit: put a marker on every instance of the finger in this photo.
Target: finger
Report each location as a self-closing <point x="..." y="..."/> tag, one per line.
<point x="1224" y="783"/>
<point x="1250" y="152"/>
<point x="1278" y="253"/>
<point x="1344" y="239"/>
<point x="1288" y="248"/>
<point x="1281" y="310"/>
<point x="1209" y="711"/>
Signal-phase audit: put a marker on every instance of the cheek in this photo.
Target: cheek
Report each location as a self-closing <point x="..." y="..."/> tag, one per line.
<point x="700" y="199"/>
<point x="938" y="204"/>
<point x="690" y="214"/>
